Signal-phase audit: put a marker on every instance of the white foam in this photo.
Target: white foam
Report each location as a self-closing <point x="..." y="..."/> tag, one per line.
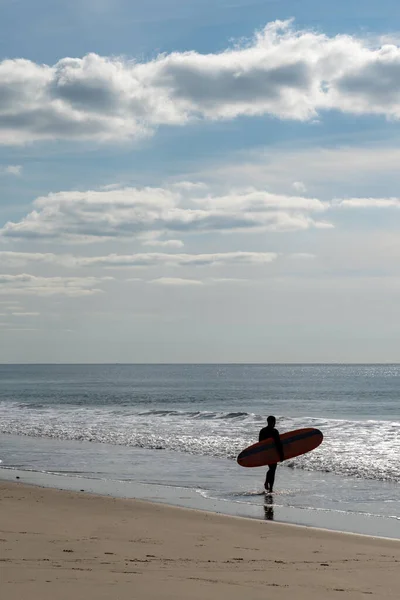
<point x="367" y="449"/>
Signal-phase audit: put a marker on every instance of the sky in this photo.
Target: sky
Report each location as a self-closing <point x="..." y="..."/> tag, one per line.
<point x="199" y="181"/>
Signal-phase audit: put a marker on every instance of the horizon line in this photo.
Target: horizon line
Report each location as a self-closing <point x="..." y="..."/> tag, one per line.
<point x="233" y="363"/>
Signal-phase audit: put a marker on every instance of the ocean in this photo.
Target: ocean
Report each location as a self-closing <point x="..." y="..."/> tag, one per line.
<point x="171" y="433"/>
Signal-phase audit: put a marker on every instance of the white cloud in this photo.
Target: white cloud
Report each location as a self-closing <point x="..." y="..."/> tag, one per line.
<point x="151" y="259"/>
<point x="190" y="186"/>
<point x="20" y="259"/>
<point x="299" y="187"/>
<point x="154" y="259"/>
<point x="255" y="201"/>
<point x="25" y="314"/>
<point x="164" y="243"/>
<point x="12" y="170"/>
<point x="146" y="213"/>
<point x="153" y="239"/>
<point x="176" y="281"/>
<point x="368" y="203"/>
<point x="48" y="286"/>
<point x="281" y="72"/>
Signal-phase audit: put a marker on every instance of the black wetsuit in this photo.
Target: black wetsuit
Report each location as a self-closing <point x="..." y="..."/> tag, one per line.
<point x="265" y="433"/>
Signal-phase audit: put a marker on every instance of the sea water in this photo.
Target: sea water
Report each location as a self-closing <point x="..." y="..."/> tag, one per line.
<point x="172" y="433"/>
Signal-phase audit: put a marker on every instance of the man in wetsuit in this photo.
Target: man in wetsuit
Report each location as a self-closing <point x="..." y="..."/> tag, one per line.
<point x="271" y="432"/>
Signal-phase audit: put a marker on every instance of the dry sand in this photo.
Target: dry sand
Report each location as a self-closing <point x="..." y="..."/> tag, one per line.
<point x="60" y="545"/>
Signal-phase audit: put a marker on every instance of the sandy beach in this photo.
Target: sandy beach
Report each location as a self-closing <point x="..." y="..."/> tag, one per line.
<point x="58" y="544"/>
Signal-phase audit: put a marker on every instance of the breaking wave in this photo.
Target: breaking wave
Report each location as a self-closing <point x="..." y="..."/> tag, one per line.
<point x="368" y="449"/>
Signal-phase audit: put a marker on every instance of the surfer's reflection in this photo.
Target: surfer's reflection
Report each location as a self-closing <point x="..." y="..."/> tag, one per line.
<point x="269" y="508"/>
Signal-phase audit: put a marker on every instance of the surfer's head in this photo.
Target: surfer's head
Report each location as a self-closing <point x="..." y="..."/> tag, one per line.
<point x="271" y="421"/>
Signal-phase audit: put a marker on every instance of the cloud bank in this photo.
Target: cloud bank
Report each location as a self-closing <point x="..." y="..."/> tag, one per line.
<point x="26" y="284"/>
<point x="176" y="281"/>
<point x="149" y="213"/>
<point x="369" y="203"/>
<point x="151" y="259"/>
<point x="281" y="72"/>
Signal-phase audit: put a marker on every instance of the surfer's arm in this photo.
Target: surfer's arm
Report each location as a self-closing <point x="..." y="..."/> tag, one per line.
<point x="262" y="436"/>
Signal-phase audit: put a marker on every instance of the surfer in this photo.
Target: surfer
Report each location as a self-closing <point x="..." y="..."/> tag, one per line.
<point x="270" y="432"/>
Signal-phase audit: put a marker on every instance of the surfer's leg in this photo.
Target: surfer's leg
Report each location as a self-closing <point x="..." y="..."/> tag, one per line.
<point x="270" y="477"/>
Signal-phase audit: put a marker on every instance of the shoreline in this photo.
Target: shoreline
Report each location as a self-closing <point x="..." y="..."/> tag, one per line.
<point x="65" y="544"/>
<point x="196" y="510"/>
<point x="166" y="495"/>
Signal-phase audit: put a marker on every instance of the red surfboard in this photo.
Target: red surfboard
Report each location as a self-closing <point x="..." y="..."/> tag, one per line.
<point x="294" y="443"/>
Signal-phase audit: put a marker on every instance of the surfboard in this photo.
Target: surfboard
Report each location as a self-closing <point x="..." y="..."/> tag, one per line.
<point x="294" y="444"/>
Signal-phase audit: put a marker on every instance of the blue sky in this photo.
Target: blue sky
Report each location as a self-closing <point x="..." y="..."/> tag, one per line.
<point x="193" y="181"/>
